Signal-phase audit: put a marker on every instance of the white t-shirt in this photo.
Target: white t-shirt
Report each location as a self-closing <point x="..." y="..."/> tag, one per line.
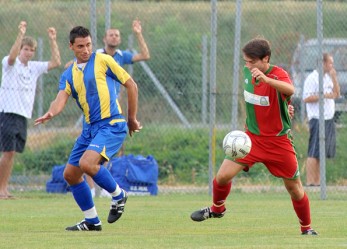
<point x="311" y="87"/>
<point x="18" y="86"/>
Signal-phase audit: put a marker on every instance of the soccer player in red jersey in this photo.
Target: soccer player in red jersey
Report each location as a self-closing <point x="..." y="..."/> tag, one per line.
<point x="267" y="92"/>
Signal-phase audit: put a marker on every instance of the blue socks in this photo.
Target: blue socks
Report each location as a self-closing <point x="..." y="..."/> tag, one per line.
<point x="81" y="193"/>
<point x="105" y="180"/>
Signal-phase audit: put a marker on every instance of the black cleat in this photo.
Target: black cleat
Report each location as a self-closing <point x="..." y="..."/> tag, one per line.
<point x="117" y="208"/>
<point x="205" y="213"/>
<point x="85" y="226"/>
<point x="309" y="232"/>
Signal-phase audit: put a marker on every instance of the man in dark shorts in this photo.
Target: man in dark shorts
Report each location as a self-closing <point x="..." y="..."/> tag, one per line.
<point x="331" y="90"/>
<point x="17" y="94"/>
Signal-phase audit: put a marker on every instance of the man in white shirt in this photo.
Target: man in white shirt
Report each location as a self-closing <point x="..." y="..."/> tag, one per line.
<point x="17" y="94"/>
<point x="331" y="90"/>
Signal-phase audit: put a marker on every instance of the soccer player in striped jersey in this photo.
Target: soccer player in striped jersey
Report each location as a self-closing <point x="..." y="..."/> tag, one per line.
<point x="267" y="92"/>
<point x="90" y="81"/>
<point x="112" y="40"/>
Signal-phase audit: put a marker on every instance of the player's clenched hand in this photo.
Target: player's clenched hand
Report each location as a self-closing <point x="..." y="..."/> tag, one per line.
<point x="291" y="111"/>
<point x="134" y="126"/>
<point x="258" y="75"/>
<point x="52" y="33"/>
<point x="48" y="116"/>
<point x="137" y="26"/>
<point x="22" y="27"/>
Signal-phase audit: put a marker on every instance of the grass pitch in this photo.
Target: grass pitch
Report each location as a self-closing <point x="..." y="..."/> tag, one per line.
<point x="262" y="220"/>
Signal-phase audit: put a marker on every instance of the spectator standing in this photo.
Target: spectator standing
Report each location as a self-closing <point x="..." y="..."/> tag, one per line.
<point x="17" y="95"/>
<point x="331" y="89"/>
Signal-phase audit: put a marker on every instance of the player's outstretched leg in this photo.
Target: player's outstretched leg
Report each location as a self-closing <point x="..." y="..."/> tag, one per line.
<point x="117" y="207"/>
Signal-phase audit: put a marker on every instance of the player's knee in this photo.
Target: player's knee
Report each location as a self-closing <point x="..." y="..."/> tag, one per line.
<point x="296" y="192"/>
<point x="8" y="155"/>
<point x="223" y="179"/>
<point x="69" y="177"/>
<point x="84" y="165"/>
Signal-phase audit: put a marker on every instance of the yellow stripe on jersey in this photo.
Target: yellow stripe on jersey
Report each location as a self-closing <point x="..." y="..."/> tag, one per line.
<point x="67" y="88"/>
<point x="122" y="75"/>
<point x="104" y="93"/>
<point x="119" y="107"/>
<point x="81" y="89"/>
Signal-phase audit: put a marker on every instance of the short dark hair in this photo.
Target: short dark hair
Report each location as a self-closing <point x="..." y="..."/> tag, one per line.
<point x="257" y="48"/>
<point x="78" y="31"/>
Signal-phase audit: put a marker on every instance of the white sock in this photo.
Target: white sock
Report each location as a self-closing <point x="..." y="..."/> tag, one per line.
<point x="117" y="192"/>
<point x="92" y="190"/>
<point x="90" y="213"/>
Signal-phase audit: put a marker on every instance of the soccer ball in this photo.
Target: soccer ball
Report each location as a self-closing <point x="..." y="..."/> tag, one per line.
<point x="237" y="144"/>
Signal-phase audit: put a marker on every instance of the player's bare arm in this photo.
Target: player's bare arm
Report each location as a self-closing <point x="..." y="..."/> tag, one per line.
<point x="336" y="86"/>
<point x="132" y="92"/>
<point x="16" y="46"/>
<point x="332" y="95"/>
<point x="55" y="55"/>
<point x="281" y="86"/>
<point x="144" y="52"/>
<point x="56" y="107"/>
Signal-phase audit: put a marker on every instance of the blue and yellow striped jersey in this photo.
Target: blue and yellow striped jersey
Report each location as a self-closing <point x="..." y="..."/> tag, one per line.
<point x="93" y="86"/>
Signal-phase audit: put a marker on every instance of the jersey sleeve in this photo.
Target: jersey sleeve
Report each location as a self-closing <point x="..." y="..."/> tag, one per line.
<point x="127" y="57"/>
<point x="64" y="84"/>
<point x="115" y="70"/>
<point x="5" y="64"/>
<point x="284" y="76"/>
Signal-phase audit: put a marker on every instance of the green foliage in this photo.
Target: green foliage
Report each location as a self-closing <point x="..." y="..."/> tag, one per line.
<point x="43" y="160"/>
<point x="182" y="154"/>
<point x="176" y="152"/>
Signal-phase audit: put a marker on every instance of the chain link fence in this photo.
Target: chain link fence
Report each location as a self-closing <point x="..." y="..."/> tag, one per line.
<point x="175" y="93"/>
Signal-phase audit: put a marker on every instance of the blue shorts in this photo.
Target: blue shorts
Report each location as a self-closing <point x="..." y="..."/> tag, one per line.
<point x="105" y="137"/>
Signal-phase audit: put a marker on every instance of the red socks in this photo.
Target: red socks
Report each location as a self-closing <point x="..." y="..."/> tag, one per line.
<point x="302" y="210"/>
<point x="220" y="193"/>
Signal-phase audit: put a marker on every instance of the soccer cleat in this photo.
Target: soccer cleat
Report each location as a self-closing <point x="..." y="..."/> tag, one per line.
<point x="309" y="232"/>
<point x="205" y="213"/>
<point x="117" y="208"/>
<point x="85" y="226"/>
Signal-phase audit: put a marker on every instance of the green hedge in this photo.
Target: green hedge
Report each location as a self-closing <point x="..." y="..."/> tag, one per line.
<point x="183" y="156"/>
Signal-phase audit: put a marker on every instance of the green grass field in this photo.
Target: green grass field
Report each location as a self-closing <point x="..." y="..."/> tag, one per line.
<point x="38" y="220"/>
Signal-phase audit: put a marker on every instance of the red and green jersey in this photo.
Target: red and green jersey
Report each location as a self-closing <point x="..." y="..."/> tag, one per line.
<point x="266" y="108"/>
